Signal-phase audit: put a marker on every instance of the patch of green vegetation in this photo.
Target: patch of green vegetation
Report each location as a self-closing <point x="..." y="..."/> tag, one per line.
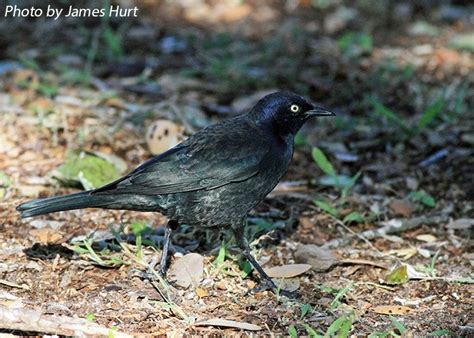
<point x="337" y="293"/>
<point x="342" y="183"/>
<point x="305" y="309"/>
<point x="441" y="333"/>
<point x="396" y="331"/>
<point x="341" y="326"/>
<point x="422" y="198"/>
<point x="355" y="44"/>
<point x="90" y="170"/>
<point x="397" y="276"/>
<point x="292" y="331"/>
<point x="90" y="317"/>
<point x="429" y="115"/>
<point x="429" y="269"/>
<point x="104" y="258"/>
<point x="234" y="61"/>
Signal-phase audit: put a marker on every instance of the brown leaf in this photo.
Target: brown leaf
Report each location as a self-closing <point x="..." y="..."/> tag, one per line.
<point x="401" y="208"/>
<point x="201" y="293"/>
<point x="287" y="271"/>
<point x="46" y="235"/>
<point x="188" y="270"/>
<point x="229" y="323"/>
<point x="320" y="259"/>
<point x="392" y="310"/>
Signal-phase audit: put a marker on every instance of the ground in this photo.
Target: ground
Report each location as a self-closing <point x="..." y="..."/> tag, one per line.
<point x="388" y="188"/>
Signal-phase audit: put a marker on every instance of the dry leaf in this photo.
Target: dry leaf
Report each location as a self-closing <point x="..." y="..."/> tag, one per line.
<point x="404" y="253"/>
<point x="200" y="292"/>
<point x="46" y="235"/>
<point x="401" y="208"/>
<point x="320" y="259"/>
<point x="287" y="271"/>
<point x="392" y="310"/>
<point x="287" y="284"/>
<point x="188" y="270"/>
<point x="428" y="238"/>
<point x="229" y="323"/>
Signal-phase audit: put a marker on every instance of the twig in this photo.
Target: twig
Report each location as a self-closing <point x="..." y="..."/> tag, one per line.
<point x="13" y="285"/>
<point x="35" y="321"/>
<point x="389" y="228"/>
<point x="361" y="236"/>
<point x="362" y="262"/>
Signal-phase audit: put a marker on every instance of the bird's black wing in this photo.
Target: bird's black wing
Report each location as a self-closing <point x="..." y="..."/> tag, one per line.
<point x="216" y="156"/>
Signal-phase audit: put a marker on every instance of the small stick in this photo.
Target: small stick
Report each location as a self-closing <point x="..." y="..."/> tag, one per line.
<point x="34" y="321"/>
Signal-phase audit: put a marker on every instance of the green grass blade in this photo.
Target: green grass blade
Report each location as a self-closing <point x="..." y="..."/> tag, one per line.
<point x="390" y="115"/>
<point x="323" y="162"/>
<point x="431" y="113"/>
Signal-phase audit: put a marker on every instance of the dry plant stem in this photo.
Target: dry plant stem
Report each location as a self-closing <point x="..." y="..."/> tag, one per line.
<point x="13" y="285"/>
<point x="35" y="321"/>
<point x="406" y="224"/>
<point x="361" y="236"/>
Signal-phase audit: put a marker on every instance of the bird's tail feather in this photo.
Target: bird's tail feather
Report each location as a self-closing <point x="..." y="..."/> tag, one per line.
<point x="61" y="203"/>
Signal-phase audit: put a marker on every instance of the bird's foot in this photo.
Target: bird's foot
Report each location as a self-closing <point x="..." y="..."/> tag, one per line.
<point x="162" y="271"/>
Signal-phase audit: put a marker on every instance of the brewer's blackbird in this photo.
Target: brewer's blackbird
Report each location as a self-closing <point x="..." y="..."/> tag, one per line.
<point x="212" y="179"/>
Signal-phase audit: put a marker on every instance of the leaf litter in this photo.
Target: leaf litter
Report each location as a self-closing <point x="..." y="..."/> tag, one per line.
<point x="421" y="159"/>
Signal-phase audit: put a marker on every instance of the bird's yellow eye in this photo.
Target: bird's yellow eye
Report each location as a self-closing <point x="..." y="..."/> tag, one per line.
<point x="295" y="108"/>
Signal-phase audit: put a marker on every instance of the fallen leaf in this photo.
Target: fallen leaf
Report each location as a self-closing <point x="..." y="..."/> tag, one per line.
<point x="397" y="276"/>
<point x="401" y="208"/>
<point x="87" y="168"/>
<point x="428" y="238"/>
<point x="392" y="310"/>
<point x="46" y="235"/>
<point x="287" y="271"/>
<point x="201" y="293"/>
<point x="425" y="253"/>
<point x="404" y="253"/>
<point x="287" y="284"/>
<point x="412" y="273"/>
<point x="229" y="323"/>
<point x="320" y="259"/>
<point x="188" y="270"/>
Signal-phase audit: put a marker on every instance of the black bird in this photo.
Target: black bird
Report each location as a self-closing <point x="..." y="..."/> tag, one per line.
<point x="212" y="179"/>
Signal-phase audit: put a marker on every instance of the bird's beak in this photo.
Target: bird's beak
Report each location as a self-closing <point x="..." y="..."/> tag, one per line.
<point x="319" y="111"/>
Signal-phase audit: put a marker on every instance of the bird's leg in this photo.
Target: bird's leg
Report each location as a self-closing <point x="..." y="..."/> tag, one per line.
<point x="166" y="245"/>
<point x="244" y="246"/>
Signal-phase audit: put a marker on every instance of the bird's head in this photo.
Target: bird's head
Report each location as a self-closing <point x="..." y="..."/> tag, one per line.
<point x="286" y="112"/>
